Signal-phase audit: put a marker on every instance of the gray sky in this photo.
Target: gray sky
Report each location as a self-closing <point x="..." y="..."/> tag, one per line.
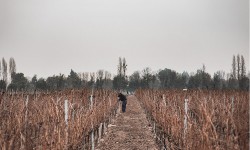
<point x="47" y="37"/>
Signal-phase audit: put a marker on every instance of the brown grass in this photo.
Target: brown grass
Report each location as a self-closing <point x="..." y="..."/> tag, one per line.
<point x="214" y="121"/>
<point x="44" y="126"/>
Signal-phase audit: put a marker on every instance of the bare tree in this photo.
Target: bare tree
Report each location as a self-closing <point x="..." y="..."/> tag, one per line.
<point x="100" y="74"/>
<point x="124" y="67"/>
<point x="119" y="71"/>
<point x="85" y="76"/>
<point x="243" y="67"/>
<point x="120" y="81"/>
<point x="92" y="79"/>
<point x="79" y="75"/>
<point x="234" y="68"/>
<point x="238" y="67"/>
<point x="146" y="77"/>
<point x="107" y="80"/>
<point x="107" y="75"/>
<point x="4" y="72"/>
<point x="12" y="66"/>
<point x="203" y="68"/>
<point x="99" y="79"/>
<point x="0" y="70"/>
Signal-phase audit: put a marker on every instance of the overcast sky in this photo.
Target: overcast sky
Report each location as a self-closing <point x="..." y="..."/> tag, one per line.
<point x="48" y="37"/>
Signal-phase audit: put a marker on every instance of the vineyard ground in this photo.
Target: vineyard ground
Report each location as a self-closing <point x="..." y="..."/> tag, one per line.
<point x="129" y="130"/>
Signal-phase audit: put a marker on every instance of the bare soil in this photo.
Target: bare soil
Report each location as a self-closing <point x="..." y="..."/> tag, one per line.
<point x="129" y="130"/>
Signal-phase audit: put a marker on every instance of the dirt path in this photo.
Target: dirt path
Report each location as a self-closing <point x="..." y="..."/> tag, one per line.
<point x="129" y="130"/>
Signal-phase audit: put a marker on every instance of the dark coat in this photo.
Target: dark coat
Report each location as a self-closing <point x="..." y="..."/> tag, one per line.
<point x="122" y="97"/>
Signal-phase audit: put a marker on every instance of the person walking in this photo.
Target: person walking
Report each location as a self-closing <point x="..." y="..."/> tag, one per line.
<point x="123" y="98"/>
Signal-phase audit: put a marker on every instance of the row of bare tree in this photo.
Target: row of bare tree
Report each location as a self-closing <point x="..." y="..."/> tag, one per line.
<point x="4" y="71"/>
<point x="201" y="79"/>
<point x="162" y="79"/>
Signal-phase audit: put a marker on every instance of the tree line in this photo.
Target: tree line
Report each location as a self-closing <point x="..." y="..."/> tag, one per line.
<point x="162" y="79"/>
<point x="100" y="79"/>
<point x="201" y="79"/>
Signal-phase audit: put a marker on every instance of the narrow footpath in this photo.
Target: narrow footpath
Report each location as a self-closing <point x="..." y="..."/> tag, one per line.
<point x="129" y="130"/>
